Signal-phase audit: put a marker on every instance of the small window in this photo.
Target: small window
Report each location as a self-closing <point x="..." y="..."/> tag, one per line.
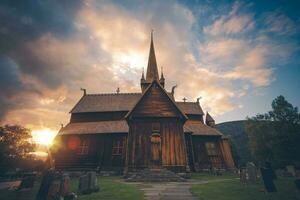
<point x="156" y="127"/>
<point x="83" y="148"/>
<point x="118" y="147"/>
<point x="211" y="149"/>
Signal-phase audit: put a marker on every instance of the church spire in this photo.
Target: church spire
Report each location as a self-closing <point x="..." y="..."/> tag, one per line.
<point x="152" y="72"/>
<point x="162" y="78"/>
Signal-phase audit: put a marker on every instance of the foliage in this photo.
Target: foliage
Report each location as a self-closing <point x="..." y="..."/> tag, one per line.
<point x="274" y="136"/>
<point x="14" y="146"/>
<point x="234" y="190"/>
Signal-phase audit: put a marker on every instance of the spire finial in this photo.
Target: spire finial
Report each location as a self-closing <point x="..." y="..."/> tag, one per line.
<point x="173" y="89"/>
<point x="143" y="76"/>
<point x="84" y="91"/>
<point x="198" y="99"/>
<point x="152" y="30"/>
<point x="162" y="73"/>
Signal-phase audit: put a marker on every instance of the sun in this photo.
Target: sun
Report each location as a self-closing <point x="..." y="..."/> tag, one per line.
<point x="44" y="136"/>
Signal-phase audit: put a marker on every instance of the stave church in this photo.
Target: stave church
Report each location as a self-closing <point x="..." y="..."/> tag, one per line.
<point x="150" y="129"/>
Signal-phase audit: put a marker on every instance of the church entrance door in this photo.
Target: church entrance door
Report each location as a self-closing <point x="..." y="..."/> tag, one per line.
<point x="155" y="150"/>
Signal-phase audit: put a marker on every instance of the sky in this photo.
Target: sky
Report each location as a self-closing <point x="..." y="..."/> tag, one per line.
<point x="236" y="55"/>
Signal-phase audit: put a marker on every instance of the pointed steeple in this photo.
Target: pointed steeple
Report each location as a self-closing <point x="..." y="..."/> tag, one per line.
<point x="162" y="78"/>
<point x="143" y="76"/>
<point x="162" y="74"/>
<point x="152" y="72"/>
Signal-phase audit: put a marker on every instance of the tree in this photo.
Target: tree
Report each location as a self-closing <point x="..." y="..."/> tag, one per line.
<point x="15" y="144"/>
<point x="274" y="136"/>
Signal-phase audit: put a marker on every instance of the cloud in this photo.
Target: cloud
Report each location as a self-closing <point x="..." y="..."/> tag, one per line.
<point x="104" y="45"/>
<point x="281" y="24"/>
<point x="253" y="68"/>
<point x="231" y="23"/>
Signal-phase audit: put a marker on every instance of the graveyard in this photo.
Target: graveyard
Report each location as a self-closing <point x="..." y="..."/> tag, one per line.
<point x="202" y="185"/>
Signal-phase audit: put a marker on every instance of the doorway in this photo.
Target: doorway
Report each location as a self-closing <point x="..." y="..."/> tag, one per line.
<point x="155" y="150"/>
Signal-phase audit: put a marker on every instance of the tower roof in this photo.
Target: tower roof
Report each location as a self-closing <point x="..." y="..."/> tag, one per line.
<point x="208" y="118"/>
<point x="152" y="71"/>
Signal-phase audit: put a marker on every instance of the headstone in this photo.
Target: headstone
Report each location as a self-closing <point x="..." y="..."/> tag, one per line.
<point x="47" y="179"/>
<point x="70" y="196"/>
<point x="268" y="177"/>
<point x="83" y="184"/>
<point x="251" y="172"/>
<point x="65" y="185"/>
<point x="92" y="181"/>
<point x="53" y="192"/>
<point x="297" y="183"/>
<point x="27" y="182"/>
<point x="243" y="176"/>
<point x="291" y="169"/>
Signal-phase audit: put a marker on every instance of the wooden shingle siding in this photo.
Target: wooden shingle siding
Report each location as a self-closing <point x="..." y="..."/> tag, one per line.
<point x="173" y="152"/>
<point x="155" y="104"/>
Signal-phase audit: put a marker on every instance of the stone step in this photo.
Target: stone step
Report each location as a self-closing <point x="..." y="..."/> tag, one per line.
<point x="153" y="175"/>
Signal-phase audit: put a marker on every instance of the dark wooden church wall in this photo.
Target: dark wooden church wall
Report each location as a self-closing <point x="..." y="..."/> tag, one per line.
<point x="173" y="145"/>
<point x="155" y="103"/>
<point x="173" y="152"/>
<point x="201" y="158"/>
<point x="190" y="151"/>
<point x="99" y="152"/>
<point x="195" y="117"/>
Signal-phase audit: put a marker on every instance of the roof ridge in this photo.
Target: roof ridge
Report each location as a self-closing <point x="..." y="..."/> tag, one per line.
<point x="186" y="102"/>
<point x="104" y="94"/>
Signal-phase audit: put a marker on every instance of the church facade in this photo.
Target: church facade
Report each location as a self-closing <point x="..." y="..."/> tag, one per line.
<point x="125" y="132"/>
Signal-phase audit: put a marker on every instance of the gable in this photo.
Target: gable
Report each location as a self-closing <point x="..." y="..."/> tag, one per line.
<point x="155" y="102"/>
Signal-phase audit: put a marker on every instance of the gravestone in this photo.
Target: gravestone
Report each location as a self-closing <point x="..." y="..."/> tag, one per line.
<point x="92" y="181"/>
<point x="47" y="180"/>
<point x="243" y="175"/>
<point x="65" y="185"/>
<point x="268" y="177"/>
<point x="53" y="192"/>
<point x="83" y="184"/>
<point x="251" y="172"/>
<point x="291" y="170"/>
<point x="27" y="183"/>
<point x="70" y="196"/>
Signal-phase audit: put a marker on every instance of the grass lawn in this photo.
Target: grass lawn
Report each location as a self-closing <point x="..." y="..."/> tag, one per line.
<point x="207" y="177"/>
<point x="111" y="188"/>
<point x="234" y="190"/>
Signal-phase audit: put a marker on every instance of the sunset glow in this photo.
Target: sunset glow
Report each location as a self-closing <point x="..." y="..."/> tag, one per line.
<point x="44" y="136"/>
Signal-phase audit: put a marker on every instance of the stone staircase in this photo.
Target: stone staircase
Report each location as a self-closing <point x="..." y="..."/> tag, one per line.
<point x="153" y="175"/>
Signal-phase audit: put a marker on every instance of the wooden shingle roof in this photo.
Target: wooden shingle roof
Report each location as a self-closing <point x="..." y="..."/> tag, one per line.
<point x="106" y="102"/>
<point x="198" y="128"/>
<point x="190" y="107"/>
<point x="121" y="126"/>
<point x="123" y="102"/>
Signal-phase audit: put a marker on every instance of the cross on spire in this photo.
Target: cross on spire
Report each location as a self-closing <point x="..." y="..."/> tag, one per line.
<point x="184" y="99"/>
